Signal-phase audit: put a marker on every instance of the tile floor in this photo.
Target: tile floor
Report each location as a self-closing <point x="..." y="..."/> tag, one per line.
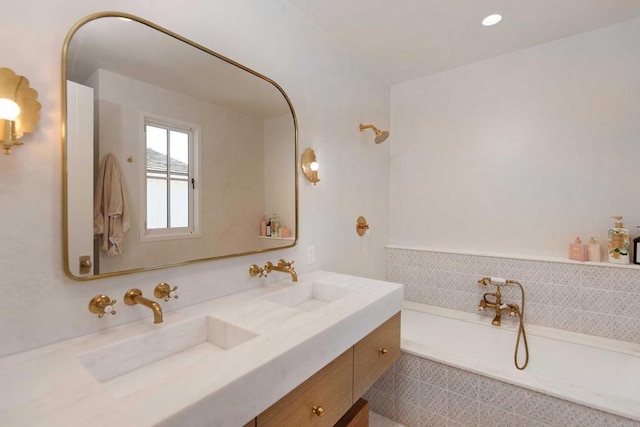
<point x="376" y="420"/>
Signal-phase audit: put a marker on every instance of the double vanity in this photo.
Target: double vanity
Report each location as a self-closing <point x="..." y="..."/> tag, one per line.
<point x="289" y="353"/>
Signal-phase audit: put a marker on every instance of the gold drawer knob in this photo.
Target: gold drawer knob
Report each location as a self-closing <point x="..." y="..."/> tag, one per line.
<point x="318" y="410"/>
<point x="383" y="351"/>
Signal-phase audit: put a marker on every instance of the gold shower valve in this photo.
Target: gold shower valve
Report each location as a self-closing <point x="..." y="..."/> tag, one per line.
<point x="361" y="226"/>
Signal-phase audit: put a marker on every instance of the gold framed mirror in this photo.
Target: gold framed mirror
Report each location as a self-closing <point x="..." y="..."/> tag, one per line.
<point x="172" y="153"/>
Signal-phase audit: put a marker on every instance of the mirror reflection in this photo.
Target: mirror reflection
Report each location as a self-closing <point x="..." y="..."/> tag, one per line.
<point x="173" y="153"/>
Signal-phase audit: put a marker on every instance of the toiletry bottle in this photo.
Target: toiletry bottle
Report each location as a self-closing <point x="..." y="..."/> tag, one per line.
<point x="618" y="243"/>
<point x="263" y="226"/>
<point x="593" y="250"/>
<point x="275" y="226"/>
<point x="636" y="249"/>
<point x="578" y="250"/>
<point x="269" y="227"/>
<point x="285" y="231"/>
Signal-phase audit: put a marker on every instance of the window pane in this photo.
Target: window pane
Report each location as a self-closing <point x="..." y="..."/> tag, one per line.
<point x="179" y="204"/>
<point x="156" y="203"/>
<point x="179" y="151"/>
<point x="156" y="148"/>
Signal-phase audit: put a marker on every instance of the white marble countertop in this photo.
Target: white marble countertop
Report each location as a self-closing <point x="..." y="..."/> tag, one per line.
<point x="51" y="386"/>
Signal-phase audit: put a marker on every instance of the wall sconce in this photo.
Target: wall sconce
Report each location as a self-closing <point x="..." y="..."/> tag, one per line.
<point x="19" y="108"/>
<point x="310" y="165"/>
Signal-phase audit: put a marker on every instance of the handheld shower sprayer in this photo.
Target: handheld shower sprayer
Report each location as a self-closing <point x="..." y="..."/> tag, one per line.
<point x="496" y="281"/>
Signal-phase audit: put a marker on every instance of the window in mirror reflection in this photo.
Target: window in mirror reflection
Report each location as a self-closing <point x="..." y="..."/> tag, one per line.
<point x="170" y="179"/>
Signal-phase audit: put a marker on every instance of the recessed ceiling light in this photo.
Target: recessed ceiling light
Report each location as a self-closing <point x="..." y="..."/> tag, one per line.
<point x="491" y="20"/>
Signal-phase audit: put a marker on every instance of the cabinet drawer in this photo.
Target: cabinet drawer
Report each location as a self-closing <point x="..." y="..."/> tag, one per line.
<point x="329" y="388"/>
<point x="374" y="354"/>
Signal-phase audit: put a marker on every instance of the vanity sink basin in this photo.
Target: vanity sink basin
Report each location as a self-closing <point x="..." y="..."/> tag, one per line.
<point x="161" y="353"/>
<point x="309" y="296"/>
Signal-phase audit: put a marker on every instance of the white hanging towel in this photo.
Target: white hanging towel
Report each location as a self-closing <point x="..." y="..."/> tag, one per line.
<point x="110" y="211"/>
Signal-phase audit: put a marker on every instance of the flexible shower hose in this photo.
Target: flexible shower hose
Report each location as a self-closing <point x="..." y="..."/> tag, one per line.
<point x="521" y="332"/>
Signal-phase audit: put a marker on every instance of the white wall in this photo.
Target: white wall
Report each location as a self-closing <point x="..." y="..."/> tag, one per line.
<point x="518" y="154"/>
<point x="330" y="93"/>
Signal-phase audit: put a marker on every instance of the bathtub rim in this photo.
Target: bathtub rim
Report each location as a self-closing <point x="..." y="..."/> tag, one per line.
<point x="611" y="404"/>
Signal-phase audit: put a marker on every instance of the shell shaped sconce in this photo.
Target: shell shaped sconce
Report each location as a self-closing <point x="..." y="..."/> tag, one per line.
<point x="19" y="108"/>
<point x="309" y="166"/>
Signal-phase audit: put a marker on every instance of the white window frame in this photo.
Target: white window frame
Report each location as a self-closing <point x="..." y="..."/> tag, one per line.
<point x="194" y="228"/>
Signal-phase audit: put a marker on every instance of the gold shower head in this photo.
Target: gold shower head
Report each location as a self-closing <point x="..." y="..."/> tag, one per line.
<point x="381" y="136"/>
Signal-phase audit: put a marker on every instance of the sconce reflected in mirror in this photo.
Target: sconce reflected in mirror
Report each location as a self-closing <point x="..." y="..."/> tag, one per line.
<point x="19" y="108"/>
<point x="309" y="165"/>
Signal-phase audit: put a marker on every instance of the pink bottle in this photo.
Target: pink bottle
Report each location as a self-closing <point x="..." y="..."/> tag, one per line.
<point x="263" y="226"/>
<point x="578" y="250"/>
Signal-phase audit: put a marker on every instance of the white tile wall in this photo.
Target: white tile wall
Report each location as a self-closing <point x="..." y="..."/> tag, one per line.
<point x="421" y="392"/>
<point x="595" y="300"/>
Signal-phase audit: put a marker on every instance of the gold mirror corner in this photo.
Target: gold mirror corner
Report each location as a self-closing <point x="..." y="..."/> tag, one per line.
<point x="172" y="153"/>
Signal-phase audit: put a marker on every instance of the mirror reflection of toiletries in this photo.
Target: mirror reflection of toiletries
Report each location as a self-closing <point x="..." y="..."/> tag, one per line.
<point x="172" y="152"/>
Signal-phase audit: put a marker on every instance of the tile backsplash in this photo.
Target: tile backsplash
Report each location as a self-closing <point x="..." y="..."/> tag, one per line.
<point x="593" y="299"/>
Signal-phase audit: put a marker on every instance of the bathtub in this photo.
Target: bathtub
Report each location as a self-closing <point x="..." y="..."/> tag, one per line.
<point x="596" y="372"/>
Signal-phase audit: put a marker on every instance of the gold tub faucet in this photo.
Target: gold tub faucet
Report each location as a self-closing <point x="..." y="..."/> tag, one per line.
<point x="134" y="296"/>
<point x="514" y="310"/>
<point x="497" y="304"/>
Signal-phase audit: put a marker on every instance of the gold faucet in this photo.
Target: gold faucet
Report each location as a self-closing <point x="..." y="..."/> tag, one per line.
<point x="497" y="304"/>
<point x="283" y="266"/>
<point x="134" y="296"/>
<point x="514" y="310"/>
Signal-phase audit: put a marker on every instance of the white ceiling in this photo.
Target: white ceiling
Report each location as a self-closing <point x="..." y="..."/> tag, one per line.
<point x="399" y="40"/>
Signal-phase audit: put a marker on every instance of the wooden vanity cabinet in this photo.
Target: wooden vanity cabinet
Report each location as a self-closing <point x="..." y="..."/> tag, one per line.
<point x="319" y="401"/>
<point x="332" y="395"/>
<point x="374" y="354"/>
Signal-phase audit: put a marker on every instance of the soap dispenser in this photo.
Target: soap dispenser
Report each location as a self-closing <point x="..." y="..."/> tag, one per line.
<point x="578" y="250"/>
<point x="618" y="243"/>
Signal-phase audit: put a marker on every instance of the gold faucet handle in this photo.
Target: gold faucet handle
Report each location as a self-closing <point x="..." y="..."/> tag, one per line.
<point x="101" y="305"/>
<point x="164" y="291"/>
<point x="283" y="263"/>
<point x="254" y="271"/>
